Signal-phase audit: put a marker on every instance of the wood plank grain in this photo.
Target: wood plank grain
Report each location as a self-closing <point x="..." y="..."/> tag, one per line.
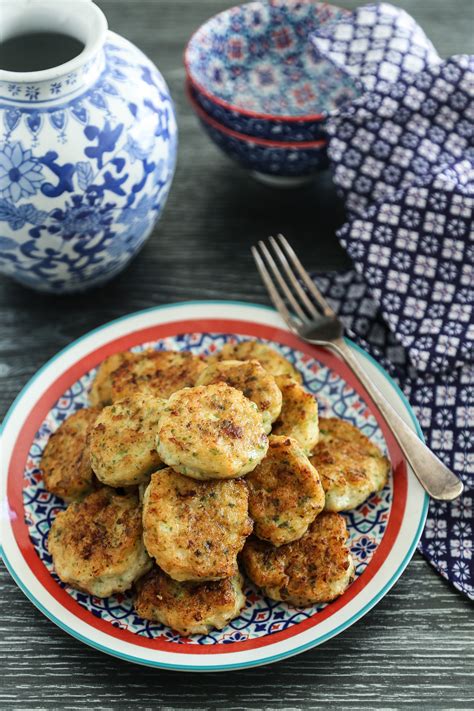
<point x="401" y="654"/>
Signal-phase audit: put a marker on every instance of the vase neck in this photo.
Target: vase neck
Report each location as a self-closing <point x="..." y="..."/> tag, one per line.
<point x="62" y="86"/>
<point x="79" y="19"/>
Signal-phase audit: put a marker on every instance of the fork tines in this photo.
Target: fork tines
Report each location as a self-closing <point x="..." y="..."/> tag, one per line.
<point x="290" y="287"/>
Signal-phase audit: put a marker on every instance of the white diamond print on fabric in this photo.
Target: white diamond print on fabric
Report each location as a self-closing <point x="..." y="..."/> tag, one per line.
<point x="410" y="182"/>
<point x="444" y="406"/>
<point x="376" y="44"/>
<point x="402" y="157"/>
<point x="393" y="141"/>
<point x="423" y="277"/>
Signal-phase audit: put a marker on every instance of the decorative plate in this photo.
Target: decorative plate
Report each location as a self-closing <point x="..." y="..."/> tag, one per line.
<point x="383" y="531"/>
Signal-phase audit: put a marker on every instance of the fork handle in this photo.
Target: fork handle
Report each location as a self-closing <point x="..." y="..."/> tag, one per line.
<point x="433" y="475"/>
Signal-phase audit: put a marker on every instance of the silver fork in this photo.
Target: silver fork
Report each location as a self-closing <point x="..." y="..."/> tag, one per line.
<point x="310" y="317"/>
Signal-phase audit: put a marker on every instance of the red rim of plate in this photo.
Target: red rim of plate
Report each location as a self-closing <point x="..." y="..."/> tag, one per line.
<point x="46" y="401"/>
<point x="237" y="109"/>
<point x="204" y="116"/>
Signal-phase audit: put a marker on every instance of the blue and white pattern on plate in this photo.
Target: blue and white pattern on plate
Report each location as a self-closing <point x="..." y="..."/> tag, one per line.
<point x="84" y="177"/>
<point x="261" y="616"/>
<point x="257" y="58"/>
<point x="403" y="159"/>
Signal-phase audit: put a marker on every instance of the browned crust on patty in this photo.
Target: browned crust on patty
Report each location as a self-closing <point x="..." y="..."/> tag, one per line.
<point x="160" y="373"/>
<point x="97" y="544"/>
<point x="268" y="357"/>
<point x="351" y="467"/>
<point x="251" y="379"/>
<point x="101" y="390"/>
<point x="65" y="464"/>
<point x="211" y="431"/>
<point x="188" y="608"/>
<point x="285" y="492"/>
<point x="195" y="529"/>
<point x="122" y="440"/>
<point x="316" y="568"/>
<point x="299" y="413"/>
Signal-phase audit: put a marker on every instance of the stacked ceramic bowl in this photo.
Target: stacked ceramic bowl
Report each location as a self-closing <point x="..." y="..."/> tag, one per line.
<point x="260" y="89"/>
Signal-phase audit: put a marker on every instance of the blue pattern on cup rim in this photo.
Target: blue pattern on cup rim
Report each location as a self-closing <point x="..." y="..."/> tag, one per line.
<point x="249" y="88"/>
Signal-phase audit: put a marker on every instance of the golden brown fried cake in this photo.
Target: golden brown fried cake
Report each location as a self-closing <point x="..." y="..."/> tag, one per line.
<point x="268" y="357"/>
<point x="316" y="568"/>
<point x="195" y="529"/>
<point x="351" y="467"/>
<point x="252" y="380"/>
<point x="122" y="441"/>
<point x="101" y="391"/>
<point x="299" y="414"/>
<point x="97" y="544"/>
<point x="285" y="493"/>
<point x="65" y="464"/>
<point x="211" y="432"/>
<point x="189" y="608"/>
<point x="158" y="373"/>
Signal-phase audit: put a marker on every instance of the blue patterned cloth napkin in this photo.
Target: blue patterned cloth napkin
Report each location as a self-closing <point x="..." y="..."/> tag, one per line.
<point x="402" y="157"/>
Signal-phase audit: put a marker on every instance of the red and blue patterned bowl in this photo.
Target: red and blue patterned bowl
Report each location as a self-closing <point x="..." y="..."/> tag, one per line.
<point x="277" y="163"/>
<point x="254" y="70"/>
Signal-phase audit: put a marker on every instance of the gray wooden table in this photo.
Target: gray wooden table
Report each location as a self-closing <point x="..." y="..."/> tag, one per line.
<point x="415" y="649"/>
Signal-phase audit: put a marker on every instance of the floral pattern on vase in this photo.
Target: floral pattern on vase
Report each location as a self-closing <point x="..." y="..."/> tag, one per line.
<point x="84" y="173"/>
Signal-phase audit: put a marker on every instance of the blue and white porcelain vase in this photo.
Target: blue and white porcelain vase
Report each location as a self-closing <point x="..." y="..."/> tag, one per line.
<point x="87" y="152"/>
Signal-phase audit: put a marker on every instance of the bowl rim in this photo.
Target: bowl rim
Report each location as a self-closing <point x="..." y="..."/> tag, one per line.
<point x="206" y="118"/>
<point x="321" y="116"/>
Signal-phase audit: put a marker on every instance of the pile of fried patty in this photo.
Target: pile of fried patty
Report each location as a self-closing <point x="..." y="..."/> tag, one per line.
<point x="188" y="472"/>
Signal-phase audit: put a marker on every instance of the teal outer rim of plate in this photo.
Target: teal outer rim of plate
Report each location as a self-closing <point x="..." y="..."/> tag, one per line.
<point x="242" y="665"/>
